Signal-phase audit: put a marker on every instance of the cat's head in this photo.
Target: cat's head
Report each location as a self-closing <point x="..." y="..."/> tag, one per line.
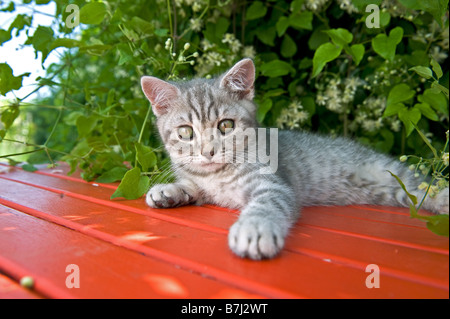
<point x="200" y="120"/>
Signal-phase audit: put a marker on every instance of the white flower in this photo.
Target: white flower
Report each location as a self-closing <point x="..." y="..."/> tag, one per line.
<point x="235" y="44"/>
<point x="315" y="5"/>
<point x="347" y="5"/>
<point x="196" y="24"/>
<point x="334" y="104"/>
<point x="197" y="6"/>
<point x="396" y="126"/>
<point x="206" y="45"/>
<point x="438" y="55"/>
<point x="352" y="83"/>
<point x="445" y="159"/>
<point x="249" y="52"/>
<point x="321" y="99"/>
<point x="215" y="58"/>
<point x="302" y="116"/>
<point x="369" y="125"/>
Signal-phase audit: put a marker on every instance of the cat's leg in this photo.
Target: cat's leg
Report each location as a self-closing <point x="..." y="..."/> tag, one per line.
<point x="264" y="223"/>
<point x="172" y="195"/>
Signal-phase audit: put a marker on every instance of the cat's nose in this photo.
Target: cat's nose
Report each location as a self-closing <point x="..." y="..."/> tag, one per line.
<point x="208" y="153"/>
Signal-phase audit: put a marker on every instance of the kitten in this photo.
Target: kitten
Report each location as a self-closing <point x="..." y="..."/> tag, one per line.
<point x="206" y="126"/>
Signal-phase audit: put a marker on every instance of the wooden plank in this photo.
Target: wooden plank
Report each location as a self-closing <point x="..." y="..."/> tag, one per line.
<point x="362" y="224"/>
<point x="313" y="272"/>
<point x="106" y="271"/>
<point x="360" y="218"/>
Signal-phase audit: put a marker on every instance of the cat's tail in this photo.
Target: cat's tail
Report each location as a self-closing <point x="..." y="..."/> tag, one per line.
<point x="438" y="204"/>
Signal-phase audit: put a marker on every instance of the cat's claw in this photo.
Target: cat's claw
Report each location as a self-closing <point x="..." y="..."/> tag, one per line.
<point x="167" y="196"/>
<point x="256" y="238"/>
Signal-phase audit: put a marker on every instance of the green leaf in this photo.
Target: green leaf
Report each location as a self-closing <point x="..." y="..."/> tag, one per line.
<point x="436" y="68"/>
<point x="437" y="8"/>
<point x="409" y="117"/>
<point x="9" y="115"/>
<point x="426" y="110"/>
<point x="340" y="37"/>
<point x="29" y="168"/>
<point x="133" y="185"/>
<point x="437" y="88"/>
<point x="221" y="26"/>
<point x="385" y="18"/>
<point x="93" y="13"/>
<point x="113" y="175"/>
<point x="325" y="53"/>
<point x="8" y="81"/>
<point x="302" y="20"/>
<point x="317" y="38"/>
<point x="411" y="196"/>
<point x="385" y="45"/>
<point x="125" y="53"/>
<point x="282" y="25"/>
<point x="357" y="52"/>
<point x="145" y="156"/>
<point x="425" y="139"/>
<point x="267" y="35"/>
<point x="422" y="71"/>
<point x="297" y="5"/>
<point x="86" y="125"/>
<point x="399" y="93"/>
<point x="20" y="22"/>
<point x="393" y="109"/>
<point x="288" y="47"/>
<point x="42" y="40"/>
<point x="437" y="101"/>
<point x="256" y="10"/>
<point x="262" y="110"/>
<point x="65" y="42"/>
<point x="439" y="224"/>
<point x="95" y="49"/>
<point x="276" y="68"/>
<point x="140" y="25"/>
<point x="4" y="36"/>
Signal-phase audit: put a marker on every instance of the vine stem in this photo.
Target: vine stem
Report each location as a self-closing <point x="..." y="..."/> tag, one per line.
<point x="141" y="133"/>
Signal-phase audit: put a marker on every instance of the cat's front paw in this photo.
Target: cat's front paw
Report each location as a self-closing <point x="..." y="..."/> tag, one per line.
<point x="167" y="196"/>
<point x="256" y="237"/>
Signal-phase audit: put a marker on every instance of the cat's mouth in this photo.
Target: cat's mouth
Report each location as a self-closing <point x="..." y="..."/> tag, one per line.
<point x="210" y="166"/>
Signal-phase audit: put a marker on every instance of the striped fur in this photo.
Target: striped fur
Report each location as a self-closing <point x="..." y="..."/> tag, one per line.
<point x="312" y="169"/>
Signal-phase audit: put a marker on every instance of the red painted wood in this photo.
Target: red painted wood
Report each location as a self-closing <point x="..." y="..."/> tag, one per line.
<point x="325" y="255"/>
<point x="106" y="271"/>
<point x="10" y="289"/>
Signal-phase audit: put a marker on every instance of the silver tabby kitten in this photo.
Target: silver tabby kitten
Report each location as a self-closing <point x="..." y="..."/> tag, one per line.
<point x="200" y="122"/>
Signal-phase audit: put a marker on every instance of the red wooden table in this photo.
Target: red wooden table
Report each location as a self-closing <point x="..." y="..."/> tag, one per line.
<point x="61" y="230"/>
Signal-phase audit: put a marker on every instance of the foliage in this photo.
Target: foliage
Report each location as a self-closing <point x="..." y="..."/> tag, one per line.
<point x="322" y="66"/>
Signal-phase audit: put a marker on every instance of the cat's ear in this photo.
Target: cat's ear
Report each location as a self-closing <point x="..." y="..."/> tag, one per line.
<point x="240" y="79"/>
<point x="159" y="92"/>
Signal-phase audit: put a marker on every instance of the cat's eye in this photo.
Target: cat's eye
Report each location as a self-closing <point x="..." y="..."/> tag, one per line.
<point x="185" y="133"/>
<point x="226" y="126"/>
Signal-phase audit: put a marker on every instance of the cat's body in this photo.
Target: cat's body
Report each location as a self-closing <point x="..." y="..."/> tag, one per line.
<point x="310" y="169"/>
